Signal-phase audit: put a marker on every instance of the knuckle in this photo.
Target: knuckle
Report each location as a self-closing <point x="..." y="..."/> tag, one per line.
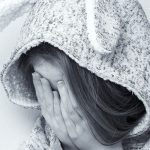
<point x="73" y="136"/>
<point x="84" y="123"/>
<point x="61" y="104"/>
<point x="68" y="124"/>
<point x="71" y="113"/>
<point x="56" y="106"/>
<point x="57" y="117"/>
<point x="64" y="133"/>
<point x="46" y="106"/>
<point x="50" y="112"/>
<point x="55" y="124"/>
<point x="57" y="112"/>
<point x="76" y="108"/>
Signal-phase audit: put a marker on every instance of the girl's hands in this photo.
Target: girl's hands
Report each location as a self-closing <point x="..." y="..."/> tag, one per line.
<point x="64" y="116"/>
<point x="50" y="108"/>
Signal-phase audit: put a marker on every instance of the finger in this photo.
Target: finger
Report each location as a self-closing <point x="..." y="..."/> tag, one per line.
<point x="62" y="91"/>
<point x="48" y="119"/>
<point x="48" y="95"/>
<point x="69" y="124"/>
<point x="73" y="115"/>
<point x="39" y="91"/>
<point x="38" y="87"/>
<point x="57" y="110"/>
<point x="64" y="96"/>
<point x="73" y="103"/>
<point x="72" y="110"/>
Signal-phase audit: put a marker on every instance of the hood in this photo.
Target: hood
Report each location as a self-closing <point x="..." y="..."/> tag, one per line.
<point x="109" y="38"/>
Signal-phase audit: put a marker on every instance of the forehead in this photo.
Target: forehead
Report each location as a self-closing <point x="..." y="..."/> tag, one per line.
<point x="39" y="59"/>
<point x="43" y="64"/>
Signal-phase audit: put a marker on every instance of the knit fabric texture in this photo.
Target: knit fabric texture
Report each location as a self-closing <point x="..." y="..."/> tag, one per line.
<point x="42" y="137"/>
<point x="111" y="38"/>
<point x="10" y="10"/>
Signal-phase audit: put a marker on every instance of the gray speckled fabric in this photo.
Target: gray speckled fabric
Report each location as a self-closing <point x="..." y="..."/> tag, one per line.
<point x="111" y="38"/>
<point x="42" y="137"/>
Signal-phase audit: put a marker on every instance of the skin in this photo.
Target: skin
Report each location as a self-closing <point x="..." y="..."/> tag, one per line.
<point x="59" y="108"/>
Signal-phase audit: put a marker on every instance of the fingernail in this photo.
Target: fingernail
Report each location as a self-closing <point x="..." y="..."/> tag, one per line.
<point x="60" y="83"/>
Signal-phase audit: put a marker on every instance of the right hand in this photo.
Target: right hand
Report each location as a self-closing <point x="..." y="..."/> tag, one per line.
<point x="50" y="108"/>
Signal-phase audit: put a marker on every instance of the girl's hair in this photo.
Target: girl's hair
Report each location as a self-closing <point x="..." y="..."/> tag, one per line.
<point x="110" y="109"/>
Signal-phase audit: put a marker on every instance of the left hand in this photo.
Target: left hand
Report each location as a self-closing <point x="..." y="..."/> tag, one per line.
<point x="50" y="109"/>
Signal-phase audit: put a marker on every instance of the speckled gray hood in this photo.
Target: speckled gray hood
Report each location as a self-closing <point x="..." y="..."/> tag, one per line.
<point x="109" y="38"/>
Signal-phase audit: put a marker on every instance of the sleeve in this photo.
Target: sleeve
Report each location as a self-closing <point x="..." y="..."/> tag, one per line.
<point x="41" y="138"/>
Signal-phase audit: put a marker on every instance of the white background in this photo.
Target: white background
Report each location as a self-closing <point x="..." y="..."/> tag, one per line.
<point x="16" y="122"/>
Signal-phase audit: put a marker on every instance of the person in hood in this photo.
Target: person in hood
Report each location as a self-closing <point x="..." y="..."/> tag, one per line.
<point x="86" y="65"/>
<point x="83" y="99"/>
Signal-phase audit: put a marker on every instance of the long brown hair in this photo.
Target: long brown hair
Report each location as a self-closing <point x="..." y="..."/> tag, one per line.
<point x="110" y="109"/>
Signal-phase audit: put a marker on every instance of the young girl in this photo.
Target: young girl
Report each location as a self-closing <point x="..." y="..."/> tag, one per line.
<point x="110" y="110"/>
<point x="86" y="65"/>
